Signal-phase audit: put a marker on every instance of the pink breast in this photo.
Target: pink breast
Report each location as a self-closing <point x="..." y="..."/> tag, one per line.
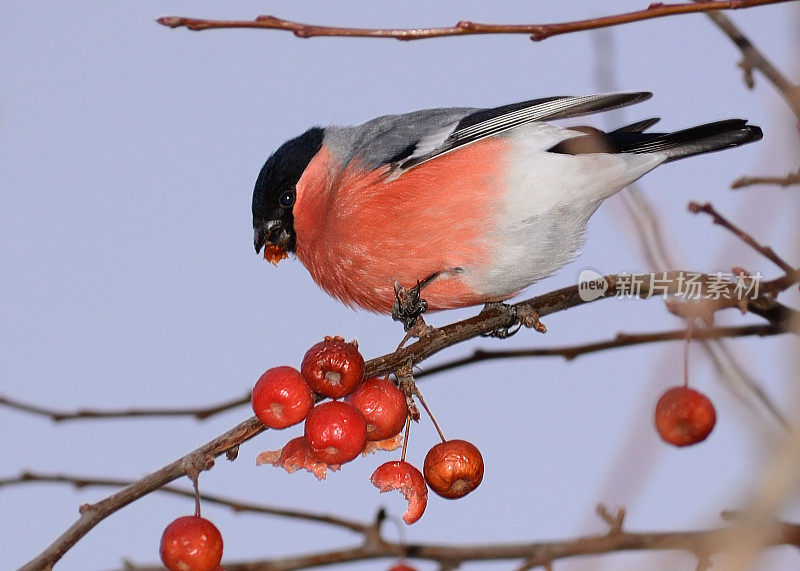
<point x="360" y="233"/>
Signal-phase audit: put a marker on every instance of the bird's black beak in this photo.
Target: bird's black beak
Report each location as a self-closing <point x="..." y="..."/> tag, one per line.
<point x="273" y="233"/>
<point x="260" y="237"/>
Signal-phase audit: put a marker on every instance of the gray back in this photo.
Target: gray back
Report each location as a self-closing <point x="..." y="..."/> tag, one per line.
<point x="378" y="141"/>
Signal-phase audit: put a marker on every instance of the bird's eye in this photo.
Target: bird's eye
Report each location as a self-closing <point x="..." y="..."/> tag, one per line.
<point x="286" y="199"/>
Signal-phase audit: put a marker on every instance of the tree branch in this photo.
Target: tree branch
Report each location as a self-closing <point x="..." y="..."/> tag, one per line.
<point x="752" y="59"/>
<point x="200" y="413"/>
<point x="790" y="179"/>
<point x="620" y="340"/>
<point x="766" y="251"/>
<point x="79" y="482"/>
<point x="700" y="543"/>
<point x="537" y="32"/>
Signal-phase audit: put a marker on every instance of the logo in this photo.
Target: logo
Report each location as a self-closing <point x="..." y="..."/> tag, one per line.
<point x="591" y="285"/>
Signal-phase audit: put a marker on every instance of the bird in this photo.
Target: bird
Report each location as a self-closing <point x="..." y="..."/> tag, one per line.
<point x="472" y="204"/>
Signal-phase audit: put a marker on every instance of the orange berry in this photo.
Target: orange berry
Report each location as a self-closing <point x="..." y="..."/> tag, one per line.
<point x="191" y="543"/>
<point x="453" y="468"/>
<point x="684" y="416"/>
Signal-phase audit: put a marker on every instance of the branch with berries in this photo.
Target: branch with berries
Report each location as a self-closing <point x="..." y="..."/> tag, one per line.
<point x="401" y="360"/>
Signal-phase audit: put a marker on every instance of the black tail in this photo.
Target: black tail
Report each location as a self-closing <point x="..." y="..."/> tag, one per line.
<point x="702" y="139"/>
<point x="689" y="142"/>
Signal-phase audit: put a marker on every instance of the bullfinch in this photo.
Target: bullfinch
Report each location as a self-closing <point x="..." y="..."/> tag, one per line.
<point x="476" y="204"/>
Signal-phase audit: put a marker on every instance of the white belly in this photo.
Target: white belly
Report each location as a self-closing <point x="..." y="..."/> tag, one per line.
<point x="548" y="201"/>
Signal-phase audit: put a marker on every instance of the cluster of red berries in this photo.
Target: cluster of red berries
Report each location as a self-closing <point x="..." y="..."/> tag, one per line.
<point x="370" y="417"/>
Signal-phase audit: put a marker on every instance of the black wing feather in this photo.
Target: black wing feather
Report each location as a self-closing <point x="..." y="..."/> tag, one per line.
<point x="685" y="143"/>
<point x="487" y="122"/>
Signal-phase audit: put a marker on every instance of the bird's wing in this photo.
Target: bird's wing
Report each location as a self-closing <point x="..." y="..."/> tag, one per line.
<point x="483" y="123"/>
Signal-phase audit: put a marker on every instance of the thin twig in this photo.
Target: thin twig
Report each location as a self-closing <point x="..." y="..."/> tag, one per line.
<point x="200" y="413"/>
<point x="752" y="59"/>
<point x="784" y="181"/>
<point x="80" y="482"/>
<point x="765" y="251"/>
<point x="537" y="32"/>
<point x="619" y="341"/>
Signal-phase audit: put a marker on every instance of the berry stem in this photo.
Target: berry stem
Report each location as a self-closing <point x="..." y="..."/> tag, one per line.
<point x="405" y="439"/>
<point x="195" y="484"/>
<point x="430" y="414"/>
<point x="686" y="357"/>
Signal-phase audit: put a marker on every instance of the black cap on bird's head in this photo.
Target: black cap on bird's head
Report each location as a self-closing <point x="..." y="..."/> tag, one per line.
<point x="274" y="193"/>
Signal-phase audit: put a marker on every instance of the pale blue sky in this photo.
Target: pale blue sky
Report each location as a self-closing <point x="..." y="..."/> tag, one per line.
<point x="128" y="277"/>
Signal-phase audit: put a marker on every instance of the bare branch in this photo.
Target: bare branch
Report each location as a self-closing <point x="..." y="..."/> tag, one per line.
<point x="236" y="505"/>
<point x="537" y="32"/>
<point x="754" y="59"/>
<point x="700" y="543"/>
<point x="200" y="413"/>
<point x="619" y="341"/>
<point x="783" y="181"/>
<point x="766" y="251"/>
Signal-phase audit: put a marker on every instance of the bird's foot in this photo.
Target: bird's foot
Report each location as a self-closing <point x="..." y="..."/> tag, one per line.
<point x="408" y="303"/>
<point x="503" y="331"/>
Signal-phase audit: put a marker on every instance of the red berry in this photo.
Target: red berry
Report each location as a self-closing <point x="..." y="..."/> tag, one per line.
<point x="684" y="416"/>
<point x="335" y="432"/>
<point x="401" y="475"/>
<point x="333" y="367"/>
<point x="191" y="543"/>
<point x="281" y="397"/>
<point x="383" y="405"/>
<point x="402" y="567"/>
<point x="453" y="468"/>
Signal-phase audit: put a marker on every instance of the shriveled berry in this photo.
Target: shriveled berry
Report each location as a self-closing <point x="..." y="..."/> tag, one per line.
<point x="295" y="455"/>
<point x="453" y="468"/>
<point x="401" y="475"/>
<point x="335" y="432"/>
<point x="333" y="367"/>
<point x="684" y="416"/>
<point x="383" y="405"/>
<point x="191" y="543"/>
<point x="281" y="397"/>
